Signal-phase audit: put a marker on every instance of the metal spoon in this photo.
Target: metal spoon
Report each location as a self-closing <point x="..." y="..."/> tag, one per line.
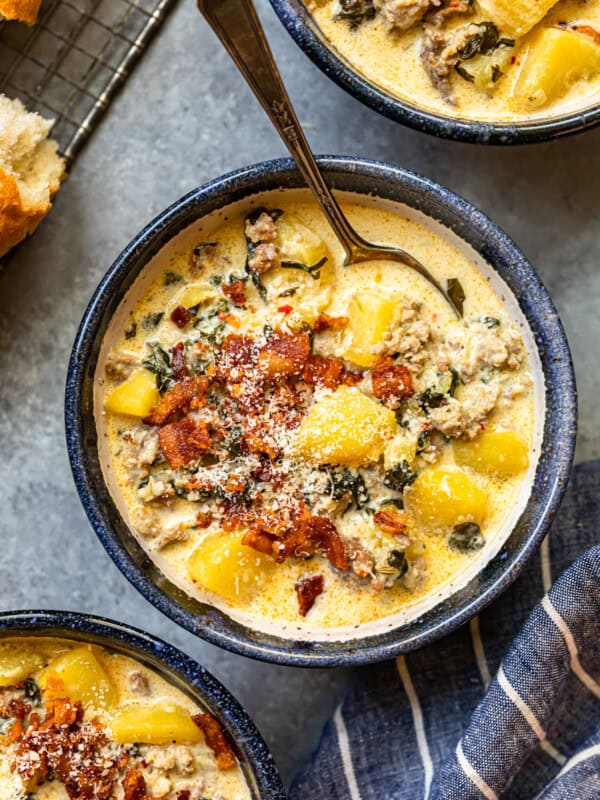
<point x="237" y="25"/>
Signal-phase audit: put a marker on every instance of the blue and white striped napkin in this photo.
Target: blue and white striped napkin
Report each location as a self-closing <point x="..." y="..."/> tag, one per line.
<point x="482" y="714"/>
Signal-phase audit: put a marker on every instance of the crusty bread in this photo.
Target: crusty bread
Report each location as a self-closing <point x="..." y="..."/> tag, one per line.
<point x="30" y="171"/>
<point x="23" y="10"/>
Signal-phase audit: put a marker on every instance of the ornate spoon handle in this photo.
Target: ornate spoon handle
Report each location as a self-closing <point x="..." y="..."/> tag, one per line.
<point x="237" y="25"/>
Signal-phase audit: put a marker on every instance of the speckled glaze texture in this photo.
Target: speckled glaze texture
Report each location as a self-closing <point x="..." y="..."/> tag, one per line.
<point x="257" y="763"/>
<point x="306" y="33"/>
<point x="364" y="177"/>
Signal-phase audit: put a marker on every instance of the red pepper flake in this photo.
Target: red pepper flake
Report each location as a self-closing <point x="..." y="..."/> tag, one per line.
<point x="180" y="316"/>
<point x="285" y="309"/>
<point x="482" y="426"/>
<point x="307" y="590"/>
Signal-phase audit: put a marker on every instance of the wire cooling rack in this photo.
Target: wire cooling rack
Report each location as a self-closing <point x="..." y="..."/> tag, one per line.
<point x="69" y="66"/>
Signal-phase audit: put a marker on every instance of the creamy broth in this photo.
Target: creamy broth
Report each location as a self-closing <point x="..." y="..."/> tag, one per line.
<point x="428" y="396"/>
<point x="76" y="718"/>
<point x="548" y="70"/>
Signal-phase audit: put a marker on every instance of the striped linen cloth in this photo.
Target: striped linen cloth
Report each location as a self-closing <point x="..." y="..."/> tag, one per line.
<point x="482" y="714"/>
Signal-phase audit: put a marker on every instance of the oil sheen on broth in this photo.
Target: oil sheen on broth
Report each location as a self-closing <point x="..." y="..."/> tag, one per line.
<point x="489" y="60"/>
<point x="309" y="445"/>
<point x="76" y="716"/>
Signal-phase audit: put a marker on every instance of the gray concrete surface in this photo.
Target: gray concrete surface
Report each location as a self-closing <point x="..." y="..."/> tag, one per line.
<point x="185" y="117"/>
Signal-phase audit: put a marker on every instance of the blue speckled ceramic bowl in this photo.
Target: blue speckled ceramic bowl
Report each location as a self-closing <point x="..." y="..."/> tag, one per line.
<point x="307" y="34"/>
<point x="256" y="762"/>
<point x="367" y="178"/>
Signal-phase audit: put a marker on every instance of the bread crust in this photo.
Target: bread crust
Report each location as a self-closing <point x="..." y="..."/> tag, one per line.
<point x="16" y="221"/>
<point x="23" y="10"/>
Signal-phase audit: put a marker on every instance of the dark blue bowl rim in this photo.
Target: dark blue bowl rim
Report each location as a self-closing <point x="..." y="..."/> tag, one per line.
<point x="301" y="26"/>
<point x="257" y="762"/>
<point x="559" y="436"/>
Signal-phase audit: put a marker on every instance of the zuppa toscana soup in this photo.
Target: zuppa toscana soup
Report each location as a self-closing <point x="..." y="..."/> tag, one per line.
<point x="81" y="721"/>
<point x="304" y="443"/>
<point x="492" y="60"/>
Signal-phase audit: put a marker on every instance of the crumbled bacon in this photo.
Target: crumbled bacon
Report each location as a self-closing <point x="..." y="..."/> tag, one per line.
<point x="235" y="291"/>
<point x="260" y="541"/>
<point x="215" y="739"/>
<point x="321" y="371"/>
<point x="284" y="355"/>
<point x="391" y="381"/>
<point x="328" y="372"/>
<point x="134" y="787"/>
<point x="324" y="323"/>
<point x="69" y="749"/>
<point x="18" y="708"/>
<point x="183" y="794"/>
<point x="179" y="361"/>
<point x="307" y="591"/>
<point x="180" y="316"/>
<point x="391" y="521"/>
<point x="190" y="393"/>
<point x="238" y="353"/>
<point x="204" y="519"/>
<point x="184" y="441"/>
<point x="297" y="534"/>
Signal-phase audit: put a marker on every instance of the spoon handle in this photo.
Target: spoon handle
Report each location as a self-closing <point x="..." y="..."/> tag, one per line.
<point x="237" y="25"/>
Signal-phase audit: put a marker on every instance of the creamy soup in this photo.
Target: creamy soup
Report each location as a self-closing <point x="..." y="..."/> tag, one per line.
<point x="490" y="60"/>
<point x="80" y="721"/>
<point x="307" y="445"/>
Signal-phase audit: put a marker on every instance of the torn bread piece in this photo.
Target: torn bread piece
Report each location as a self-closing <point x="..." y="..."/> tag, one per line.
<point x="22" y="10"/>
<point x="31" y="171"/>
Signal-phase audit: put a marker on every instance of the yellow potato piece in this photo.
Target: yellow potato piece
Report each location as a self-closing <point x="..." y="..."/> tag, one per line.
<point x="136" y="396"/>
<point x="371" y="313"/>
<point x="298" y="243"/>
<point x="196" y="294"/>
<point x="499" y="452"/>
<point x="308" y="295"/>
<point x="17" y="663"/>
<point x="444" y="497"/>
<point x="515" y="17"/>
<point x="400" y="448"/>
<point x="223" y="565"/>
<point x="154" y="725"/>
<point x="555" y="58"/>
<point x="345" y="427"/>
<point x="79" y="675"/>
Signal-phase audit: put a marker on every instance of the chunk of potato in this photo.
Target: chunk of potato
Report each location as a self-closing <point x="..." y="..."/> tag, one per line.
<point x="154" y="724"/>
<point x="196" y="294"/>
<point x="370" y="315"/>
<point x="298" y="243"/>
<point x="17" y="662"/>
<point x="307" y="294"/>
<point x="486" y="71"/>
<point x="499" y="452"/>
<point x="515" y="17"/>
<point x="79" y="675"/>
<point x="223" y="565"/>
<point x="554" y="59"/>
<point x="136" y="396"/>
<point x="400" y="448"/>
<point x="345" y="427"/>
<point x="444" y="497"/>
